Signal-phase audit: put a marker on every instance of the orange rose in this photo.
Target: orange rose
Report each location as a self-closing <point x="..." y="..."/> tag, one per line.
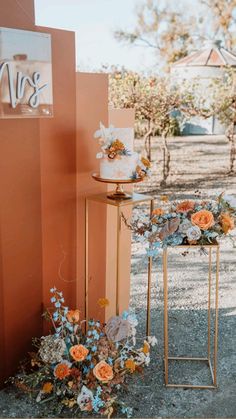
<point x="227" y="222"/>
<point x="62" y="370"/>
<point x="73" y="316"/>
<point x="47" y="387"/>
<point x="103" y="372"/>
<point x="79" y="352"/>
<point x="185" y="206"/>
<point x="158" y="212"/>
<point x="203" y="219"/>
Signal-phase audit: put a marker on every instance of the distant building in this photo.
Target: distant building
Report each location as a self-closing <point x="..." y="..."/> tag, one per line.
<point x="205" y="65"/>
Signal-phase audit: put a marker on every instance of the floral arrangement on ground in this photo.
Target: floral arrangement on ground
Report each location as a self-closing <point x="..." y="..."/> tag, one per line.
<point x="189" y="222"/>
<point x="84" y="371"/>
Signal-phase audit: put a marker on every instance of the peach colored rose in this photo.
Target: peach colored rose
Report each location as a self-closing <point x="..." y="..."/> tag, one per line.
<point x="227" y="222"/>
<point x="204" y="219"/>
<point x="73" y="316"/>
<point x="103" y="372"/>
<point x="158" y="212"/>
<point x="79" y="352"/>
<point x="185" y="206"/>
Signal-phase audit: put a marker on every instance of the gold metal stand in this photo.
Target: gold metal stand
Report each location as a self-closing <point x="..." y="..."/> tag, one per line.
<point x="119" y="204"/>
<point x="207" y="359"/>
<point x="119" y="192"/>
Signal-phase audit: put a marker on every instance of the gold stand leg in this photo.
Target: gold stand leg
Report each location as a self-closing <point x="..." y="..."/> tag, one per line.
<point x="86" y="299"/>
<point x="118" y="261"/>
<point x="208" y="359"/>
<point x="216" y="314"/>
<point x="148" y="322"/>
<point x="209" y="306"/>
<point x="165" y="283"/>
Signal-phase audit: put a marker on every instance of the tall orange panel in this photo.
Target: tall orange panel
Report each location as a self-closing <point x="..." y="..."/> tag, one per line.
<point x="58" y="173"/>
<point x="20" y="220"/>
<point x="92" y="107"/>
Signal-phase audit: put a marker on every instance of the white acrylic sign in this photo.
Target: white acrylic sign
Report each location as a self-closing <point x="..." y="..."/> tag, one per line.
<point x="25" y="74"/>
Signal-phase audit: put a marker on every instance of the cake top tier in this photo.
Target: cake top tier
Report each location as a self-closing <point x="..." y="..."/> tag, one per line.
<point x="107" y="136"/>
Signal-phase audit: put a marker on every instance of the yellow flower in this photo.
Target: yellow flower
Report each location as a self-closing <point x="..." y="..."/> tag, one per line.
<point x="130" y="365"/>
<point x="227" y="222"/>
<point x="146" y="162"/>
<point x="47" y="387"/>
<point x="164" y="198"/>
<point x="103" y="302"/>
<point x="146" y="348"/>
<point x="117" y="145"/>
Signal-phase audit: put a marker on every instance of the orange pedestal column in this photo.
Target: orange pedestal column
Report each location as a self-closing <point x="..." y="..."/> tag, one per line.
<point x="120" y="118"/>
<point x="92" y="107"/>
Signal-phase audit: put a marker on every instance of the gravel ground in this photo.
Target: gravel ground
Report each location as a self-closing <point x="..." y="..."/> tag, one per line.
<point x="197" y="163"/>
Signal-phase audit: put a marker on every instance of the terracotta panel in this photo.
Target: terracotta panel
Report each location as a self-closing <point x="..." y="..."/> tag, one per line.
<point x="92" y="107"/>
<point x="20" y="218"/>
<point x="58" y="173"/>
<point x="17" y="14"/>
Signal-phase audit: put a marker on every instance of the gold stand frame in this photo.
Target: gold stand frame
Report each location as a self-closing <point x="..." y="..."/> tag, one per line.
<point x="207" y="359"/>
<point x="119" y="204"/>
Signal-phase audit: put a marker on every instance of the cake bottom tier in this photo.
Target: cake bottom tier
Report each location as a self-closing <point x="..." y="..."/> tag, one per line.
<point x="122" y="168"/>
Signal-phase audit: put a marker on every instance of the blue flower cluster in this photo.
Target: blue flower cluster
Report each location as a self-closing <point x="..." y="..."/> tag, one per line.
<point x="60" y="313"/>
<point x="128" y="411"/>
<point x="97" y="402"/>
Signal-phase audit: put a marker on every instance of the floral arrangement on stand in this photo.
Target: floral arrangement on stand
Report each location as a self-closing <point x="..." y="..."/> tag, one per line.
<point x="189" y="222"/>
<point x="114" y="148"/>
<point x="84" y="371"/>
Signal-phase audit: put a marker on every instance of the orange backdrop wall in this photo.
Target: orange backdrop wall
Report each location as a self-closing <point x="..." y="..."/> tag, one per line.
<point x="37" y="200"/>
<point x="45" y="175"/>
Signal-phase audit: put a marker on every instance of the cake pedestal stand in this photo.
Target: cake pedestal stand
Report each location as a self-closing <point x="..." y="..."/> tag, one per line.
<point x="118" y="199"/>
<point x="119" y="193"/>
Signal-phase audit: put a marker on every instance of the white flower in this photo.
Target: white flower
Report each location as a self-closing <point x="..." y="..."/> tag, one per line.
<point x="194" y="233"/>
<point x="231" y="200"/>
<point x="52" y="349"/>
<point x="99" y="155"/>
<point x="85" y="399"/>
<point x="184" y="226"/>
<point x="152" y="340"/>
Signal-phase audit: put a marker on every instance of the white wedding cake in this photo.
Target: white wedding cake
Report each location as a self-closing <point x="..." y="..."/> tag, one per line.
<point x="118" y="161"/>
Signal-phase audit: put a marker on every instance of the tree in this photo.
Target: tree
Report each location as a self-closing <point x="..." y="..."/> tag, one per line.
<point x="173" y="33"/>
<point x="128" y="89"/>
<point x="223" y="20"/>
<point x="154" y="102"/>
<point x="163" y="29"/>
<point x="225" y="105"/>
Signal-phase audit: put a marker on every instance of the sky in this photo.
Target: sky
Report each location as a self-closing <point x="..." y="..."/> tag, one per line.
<point x="94" y="22"/>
